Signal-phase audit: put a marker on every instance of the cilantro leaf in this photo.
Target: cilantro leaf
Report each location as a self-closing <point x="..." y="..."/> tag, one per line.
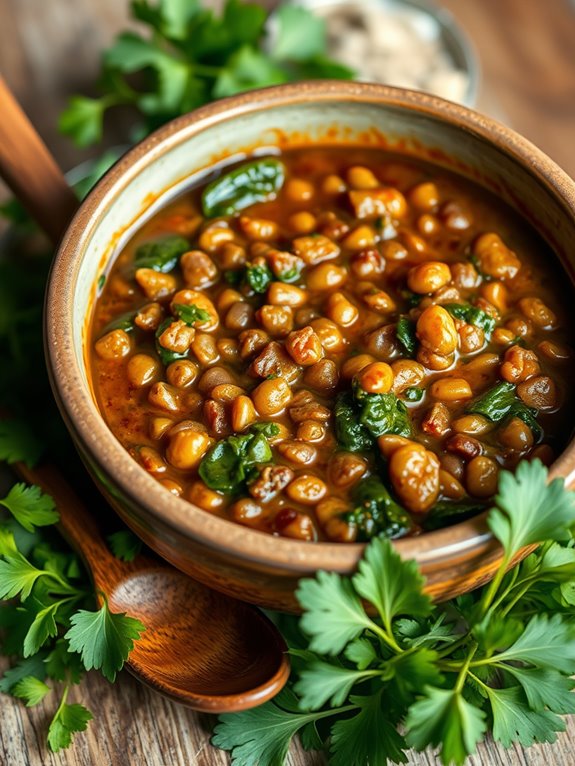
<point x="545" y="689"/>
<point x="546" y="642"/>
<point x="68" y="720"/>
<point x="333" y="613"/>
<point x="528" y="510"/>
<point x="262" y="736"/>
<point x="322" y="682"/>
<point x="18" y="443"/>
<point x="30" y="689"/>
<point x="62" y="665"/>
<point x="366" y="738"/>
<point x="17" y="576"/>
<point x="514" y="721"/>
<point x="124" y="545"/>
<point x="103" y="638"/>
<point x="444" y="718"/>
<point x="392" y="585"/>
<point x="190" y="313"/>
<point x="83" y="119"/>
<point x="300" y="34"/>
<point x="361" y="652"/>
<point x="42" y="628"/>
<point x="31" y="666"/>
<point x="30" y="507"/>
<point x="248" y="68"/>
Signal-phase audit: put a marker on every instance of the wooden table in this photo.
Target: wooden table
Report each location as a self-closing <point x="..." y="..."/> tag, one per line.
<point x="49" y="49"/>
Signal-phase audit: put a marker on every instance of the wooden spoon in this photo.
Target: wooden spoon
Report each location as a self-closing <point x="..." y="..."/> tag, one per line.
<point x="200" y="648"/>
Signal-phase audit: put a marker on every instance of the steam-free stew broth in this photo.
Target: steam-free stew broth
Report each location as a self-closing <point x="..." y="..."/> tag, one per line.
<point x="334" y="344"/>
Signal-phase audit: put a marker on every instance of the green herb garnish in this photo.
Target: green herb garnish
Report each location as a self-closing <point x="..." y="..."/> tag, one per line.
<point x="376" y="513"/>
<point x="472" y="315"/>
<point x="500" y="659"/>
<point x="233" y="462"/>
<point x="501" y="402"/>
<point x="259" y="278"/>
<point x="190" y="313"/>
<point x="253" y="182"/>
<point x="161" y="255"/>
<point x="361" y="417"/>
<point x="405" y="333"/>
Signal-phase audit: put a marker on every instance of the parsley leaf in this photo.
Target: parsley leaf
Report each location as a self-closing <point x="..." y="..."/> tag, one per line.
<point x="31" y="666"/>
<point x="30" y="689"/>
<point x="444" y="718"/>
<point x="544" y="688"/>
<point x="546" y="643"/>
<point x="30" y="507"/>
<point x="514" y="721"/>
<point x="42" y="628"/>
<point x="18" y="576"/>
<point x="300" y="35"/>
<point x="103" y="638"/>
<point x="68" y="720"/>
<point x="322" y="682"/>
<point x="124" y="545"/>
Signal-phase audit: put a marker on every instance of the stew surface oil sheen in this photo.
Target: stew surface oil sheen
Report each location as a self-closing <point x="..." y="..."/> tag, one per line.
<point x="335" y="344"/>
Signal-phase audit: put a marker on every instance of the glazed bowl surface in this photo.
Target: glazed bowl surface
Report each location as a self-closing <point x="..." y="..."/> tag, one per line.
<point x="239" y="561"/>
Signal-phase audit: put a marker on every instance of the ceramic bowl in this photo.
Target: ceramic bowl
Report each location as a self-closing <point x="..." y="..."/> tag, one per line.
<point x="237" y="560"/>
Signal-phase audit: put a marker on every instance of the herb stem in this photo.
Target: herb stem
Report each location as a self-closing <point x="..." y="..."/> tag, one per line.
<point x="465" y="668"/>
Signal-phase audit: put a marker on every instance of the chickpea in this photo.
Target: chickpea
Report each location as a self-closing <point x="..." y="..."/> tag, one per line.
<point x="226" y="393"/>
<point x="428" y="277"/>
<point x="151" y="460"/>
<point x="276" y="320"/>
<point x="436" y="331"/>
<point x="406" y="373"/>
<point x="329" y="334"/>
<point x="302" y="222"/>
<point x="464" y="276"/>
<point x="186" y="448"/>
<point x="177" y="337"/>
<point x="198" y="269"/>
<point x="326" y="276"/>
<point x="172" y="486"/>
<point x="538" y="313"/>
<point x="392" y="250"/>
<point x="258" y="228"/>
<point x="215" y="376"/>
<point x="114" y="346"/>
<point x="306" y="489"/>
<point x="165" y="397"/>
<point x="416" y="246"/>
<point x="333" y="184"/>
<point x="231" y="256"/>
<point x="516" y="435"/>
<point x="481" y="476"/>
<point x="142" y="369"/>
<point x="271" y="397"/>
<point x="376" y="378"/>
<point x="227" y="298"/>
<point x="155" y="284"/>
<point x="329" y="513"/>
<point x="521" y="328"/>
<point x="201" y="495"/>
<point x="251" y="342"/>
<point x="239" y="316"/>
<point x="228" y="349"/>
<point x="414" y="474"/>
<point x="472" y="425"/>
<point x="428" y="225"/>
<point x="182" y="373"/>
<point x="315" y="249"/>
<point x="378" y="203"/>
<point x="340" y="310"/>
<point x="359" y="177"/>
<point x="215" y="236"/>
<point x="367" y="263"/>
<point x="390" y="443"/>
<point x="453" y="465"/>
<point x="495" y="258"/>
<point x="159" y="426"/>
<point x="503" y="337"/>
<point x="451" y="389"/>
<point x="554" y="352"/>
<point x="247" y="512"/>
<point x="201" y="301"/>
<point x="345" y="469"/>
<point x="291" y="523"/>
<point x="149" y="317"/>
<point x="310" y="431"/>
<point x="471" y="338"/>
<point x="322" y="375"/>
<point x="304" y="346"/>
<point x="360" y="238"/>
<point x="355" y="364"/>
<point x="424" y="196"/>
<point x="243" y="413"/>
<point x="449" y="486"/>
<point x="454" y="216"/>
<point x="379" y="301"/>
<point x="519" y="364"/>
<point x="298" y="452"/>
<point x="205" y="348"/>
<point x="299" y="190"/>
<point x="382" y="342"/>
<point x="539" y="392"/>
<point x="434" y="361"/>
<point x="496" y="293"/>
<point x="280" y="294"/>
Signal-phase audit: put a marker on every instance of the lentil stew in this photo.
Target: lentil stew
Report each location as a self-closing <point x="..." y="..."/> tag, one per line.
<point x="334" y="344"/>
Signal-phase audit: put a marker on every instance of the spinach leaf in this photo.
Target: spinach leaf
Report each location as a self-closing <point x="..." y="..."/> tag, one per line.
<point x="190" y="313"/>
<point x="405" y="333"/>
<point x="381" y="413"/>
<point x="350" y="434"/>
<point x="167" y="355"/>
<point x="446" y="512"/>
<point x="161" y="255"/>
<point x="253" y="182"/>
<point x="232" y="462"/>
<point x="376" y="513"/>
<point x="472" y="315"/>
<point x="124" y="322"/>
<point x="258" y="277"/>
<point x="501" y="402"/>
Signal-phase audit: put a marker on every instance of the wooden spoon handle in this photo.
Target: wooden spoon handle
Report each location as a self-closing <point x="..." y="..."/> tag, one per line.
<point x="30" y="170"/>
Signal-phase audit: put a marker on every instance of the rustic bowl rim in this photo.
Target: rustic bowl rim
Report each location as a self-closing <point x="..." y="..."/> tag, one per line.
<point x="115" y="465"/>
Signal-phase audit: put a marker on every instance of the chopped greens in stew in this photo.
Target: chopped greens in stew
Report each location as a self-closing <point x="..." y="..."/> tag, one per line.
<point x="335" y="344"/>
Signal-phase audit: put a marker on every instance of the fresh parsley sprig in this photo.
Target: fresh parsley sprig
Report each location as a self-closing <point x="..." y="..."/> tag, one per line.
<point x="370" y="682"/>
<point x="191" y="56"/>
<point x="47" y="622"/>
